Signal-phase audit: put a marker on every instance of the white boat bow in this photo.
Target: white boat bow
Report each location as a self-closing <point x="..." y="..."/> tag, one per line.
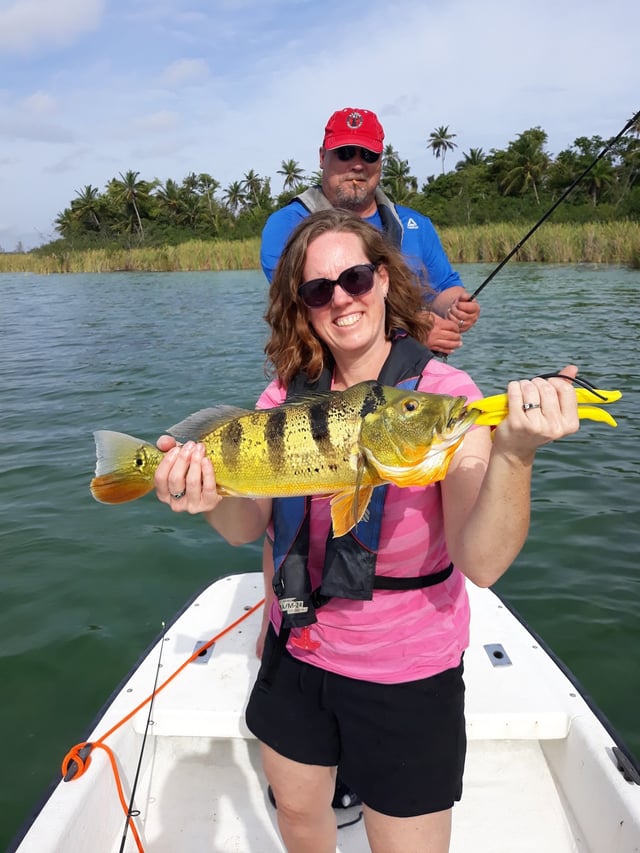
<point x="542" y="771"/>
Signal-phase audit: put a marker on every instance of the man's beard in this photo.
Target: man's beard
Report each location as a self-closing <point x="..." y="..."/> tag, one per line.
<point x="350" y="195"/>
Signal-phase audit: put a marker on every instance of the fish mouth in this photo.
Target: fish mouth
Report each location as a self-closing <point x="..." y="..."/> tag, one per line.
<point x="460" y="419"/>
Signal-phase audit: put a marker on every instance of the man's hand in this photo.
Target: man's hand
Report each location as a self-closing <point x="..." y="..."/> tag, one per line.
<point x="445" y="335"/>
<point x="464" y="311"/>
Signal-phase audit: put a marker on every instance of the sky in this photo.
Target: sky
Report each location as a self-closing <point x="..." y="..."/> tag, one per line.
<point x="90" y="89"/>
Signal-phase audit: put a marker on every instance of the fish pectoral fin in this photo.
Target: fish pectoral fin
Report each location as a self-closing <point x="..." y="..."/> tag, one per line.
<point x="348" y="508"/>
<point x="201" y="423"/>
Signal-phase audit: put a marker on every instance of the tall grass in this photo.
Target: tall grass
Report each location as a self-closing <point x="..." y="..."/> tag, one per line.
<point x="194" y="255"/>
<point x="562" y="243"/>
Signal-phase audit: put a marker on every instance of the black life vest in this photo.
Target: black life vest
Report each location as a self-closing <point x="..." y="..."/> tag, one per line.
<point x="350" y="560"/>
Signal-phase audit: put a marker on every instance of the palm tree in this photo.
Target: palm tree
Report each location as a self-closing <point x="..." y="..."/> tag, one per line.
<point x="170" y="198"/>
<point x="397" y="179"/>
<point x="440" y="142"/>
<point x="131" y="191"/>
<point x="475" y="157"/>
<point x="292" y="173"/>
<point x="208" y="187"/>
<point x="234" y="196"/>
<point x="65" y="223"/>
<point x="252" y="183"/>
<point x="389" y="153"/>
<point x="87" y="205"/>
<point x="524" y="163"/>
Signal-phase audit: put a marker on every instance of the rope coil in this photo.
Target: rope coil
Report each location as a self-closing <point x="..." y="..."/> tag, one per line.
<point x="77" y="761"/>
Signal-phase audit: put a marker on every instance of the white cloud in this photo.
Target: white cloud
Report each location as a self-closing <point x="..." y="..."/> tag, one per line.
<point x="166" y="90"/>
<point x="160" y="122"/>
<point x="40" y="103"/>
<point x="185" y="71"/>
<point x="26" y="25"/>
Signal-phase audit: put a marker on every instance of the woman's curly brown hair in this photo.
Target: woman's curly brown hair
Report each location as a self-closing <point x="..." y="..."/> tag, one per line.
<point x="293" y="345"/>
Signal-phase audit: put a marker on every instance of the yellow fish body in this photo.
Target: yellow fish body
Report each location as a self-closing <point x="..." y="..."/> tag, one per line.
<point x="342" y="443"/>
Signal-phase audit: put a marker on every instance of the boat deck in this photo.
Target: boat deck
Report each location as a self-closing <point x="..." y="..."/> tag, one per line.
<point x="532" y="739"/>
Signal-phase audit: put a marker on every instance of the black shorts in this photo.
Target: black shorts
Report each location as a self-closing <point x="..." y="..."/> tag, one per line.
<point x="399" y="747"/>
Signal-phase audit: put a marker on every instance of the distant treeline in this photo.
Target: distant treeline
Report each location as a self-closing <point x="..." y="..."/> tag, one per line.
<point x="595" y="243"/>
<point x="512" y="185"/>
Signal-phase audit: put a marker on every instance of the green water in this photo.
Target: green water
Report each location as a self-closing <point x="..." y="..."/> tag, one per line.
<point x="86" y="587"/>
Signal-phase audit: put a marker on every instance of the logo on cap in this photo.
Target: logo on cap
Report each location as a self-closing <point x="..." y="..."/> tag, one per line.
<point x="354" y="121"/>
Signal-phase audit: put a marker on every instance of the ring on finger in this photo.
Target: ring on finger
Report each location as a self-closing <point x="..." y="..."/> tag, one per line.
<point x="527" y="406"/>
<point x="178" y="495"/>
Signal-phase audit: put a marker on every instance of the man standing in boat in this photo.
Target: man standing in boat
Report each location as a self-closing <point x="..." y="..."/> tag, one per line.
<point x="351" y="163"/>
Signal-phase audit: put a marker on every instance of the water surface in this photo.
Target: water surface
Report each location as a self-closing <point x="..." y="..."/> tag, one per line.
<point x="86" y="587"/>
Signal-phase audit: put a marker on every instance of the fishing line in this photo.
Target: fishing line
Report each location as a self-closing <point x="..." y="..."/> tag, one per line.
<point x="574" y="184"/>
<point x="130" y="810"/>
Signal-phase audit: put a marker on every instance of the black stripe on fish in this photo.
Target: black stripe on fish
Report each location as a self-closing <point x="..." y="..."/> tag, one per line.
<point x="319" y="422"/>
<point x="373" y="400"/>
<point x="274" y="435"/>
<point x="230" y="439"/>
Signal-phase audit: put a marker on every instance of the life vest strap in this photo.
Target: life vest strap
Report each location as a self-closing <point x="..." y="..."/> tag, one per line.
<point x="419" y="582"/>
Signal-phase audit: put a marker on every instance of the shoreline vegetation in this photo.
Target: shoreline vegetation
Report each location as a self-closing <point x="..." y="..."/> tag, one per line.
<point x="556" y="243"/>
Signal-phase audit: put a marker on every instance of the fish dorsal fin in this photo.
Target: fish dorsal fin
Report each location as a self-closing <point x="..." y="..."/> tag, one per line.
<point x="309" y="397"/>
<point x="196" y="426"/>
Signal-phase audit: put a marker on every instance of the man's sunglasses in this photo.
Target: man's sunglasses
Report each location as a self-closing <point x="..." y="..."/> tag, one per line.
<point x="356" y="281"/>
<point x="348" y="152"/>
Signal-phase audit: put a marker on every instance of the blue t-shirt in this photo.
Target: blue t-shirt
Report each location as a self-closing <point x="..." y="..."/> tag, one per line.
<point x="421" y="245"/>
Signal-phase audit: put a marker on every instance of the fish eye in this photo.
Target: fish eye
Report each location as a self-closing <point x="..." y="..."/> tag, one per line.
<point x="410" y="405"/>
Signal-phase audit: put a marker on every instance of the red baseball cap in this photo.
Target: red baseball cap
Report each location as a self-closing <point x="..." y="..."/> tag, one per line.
<point x="352" y="126"/>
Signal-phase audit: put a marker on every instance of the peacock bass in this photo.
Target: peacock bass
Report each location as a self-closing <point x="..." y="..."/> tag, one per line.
<point x="340" y="443"/>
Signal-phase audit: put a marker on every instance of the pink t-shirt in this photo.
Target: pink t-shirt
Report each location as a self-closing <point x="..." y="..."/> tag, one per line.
<point x="397" y="636"/>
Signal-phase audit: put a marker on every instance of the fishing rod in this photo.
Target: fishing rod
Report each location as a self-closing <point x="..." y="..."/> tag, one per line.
<point x="542" y="219"/>
<point x="131" y="812"/>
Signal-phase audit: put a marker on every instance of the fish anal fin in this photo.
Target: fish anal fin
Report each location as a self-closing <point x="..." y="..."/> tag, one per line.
<point x="348" y="508"/>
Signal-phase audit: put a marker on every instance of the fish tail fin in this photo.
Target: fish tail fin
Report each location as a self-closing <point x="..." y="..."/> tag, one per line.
<point x="125" y="467"/>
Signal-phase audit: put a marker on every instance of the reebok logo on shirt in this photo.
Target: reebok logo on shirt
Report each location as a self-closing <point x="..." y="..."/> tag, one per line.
<point x="411" y="223"/>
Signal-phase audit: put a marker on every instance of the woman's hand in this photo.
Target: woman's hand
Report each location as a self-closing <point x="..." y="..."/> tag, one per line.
<point x="185" y="479"/>
<point x="540" y="411"/>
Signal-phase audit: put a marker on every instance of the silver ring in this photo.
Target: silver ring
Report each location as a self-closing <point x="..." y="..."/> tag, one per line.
<point x="460" y="323"/>
<point x="179" y="495"/>
<point x="525" y="408"/>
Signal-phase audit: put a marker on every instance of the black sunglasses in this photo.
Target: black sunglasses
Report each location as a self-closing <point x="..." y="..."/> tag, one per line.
<point x="348" y="152"/>
<point x="356" y="281"/>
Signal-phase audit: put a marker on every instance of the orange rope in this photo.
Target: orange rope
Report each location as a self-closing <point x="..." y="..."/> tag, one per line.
<point x="82" y="761"/>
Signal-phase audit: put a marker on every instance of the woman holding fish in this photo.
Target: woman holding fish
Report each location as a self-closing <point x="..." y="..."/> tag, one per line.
<point x="369" y="614"/>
